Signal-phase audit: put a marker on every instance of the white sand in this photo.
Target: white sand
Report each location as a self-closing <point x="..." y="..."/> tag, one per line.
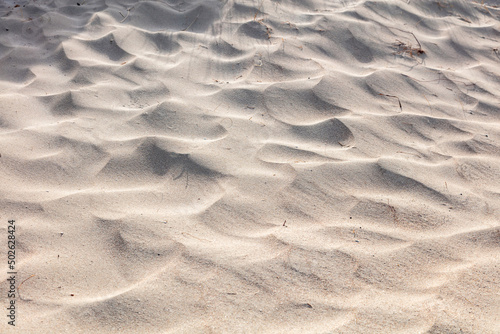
<point x="151" y="152"/>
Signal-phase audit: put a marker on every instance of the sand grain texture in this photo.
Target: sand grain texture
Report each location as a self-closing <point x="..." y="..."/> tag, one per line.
<point x="251" y="166"/>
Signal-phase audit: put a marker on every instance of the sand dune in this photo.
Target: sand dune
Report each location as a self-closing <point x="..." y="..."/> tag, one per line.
<point x="251" y="166"/>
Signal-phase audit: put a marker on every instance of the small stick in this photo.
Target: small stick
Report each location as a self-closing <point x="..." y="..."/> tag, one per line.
<point x="19" y="286"/>
<point x="419" y="45"/>
<point x="425" y="97"/>
<point x="418" y="156"/>
<point x="192" y="236"/>
<point x="184" y="170"/>
<point x="128" y="13"/>
<point x="217" y="107"/>
<point x="464" y="19"/>
<point x="409" y="32"/>
<point x="400" y="106"/>
<point x="258" y="10"/>
<point x="192" y="22"/>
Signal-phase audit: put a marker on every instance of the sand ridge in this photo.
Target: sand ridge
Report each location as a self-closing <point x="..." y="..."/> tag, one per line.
<point x="252" y="166"/>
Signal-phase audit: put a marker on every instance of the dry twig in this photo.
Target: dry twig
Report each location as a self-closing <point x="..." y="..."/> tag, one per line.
<point x="128" y="13"/>
<point x="189" y="26"/>
<point x="400" y="106"/>
<point x="19" y="286"/>
<point x="407" y="48"/>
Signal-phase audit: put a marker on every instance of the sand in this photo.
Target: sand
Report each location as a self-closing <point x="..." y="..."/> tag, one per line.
<point x="252" y="166"/>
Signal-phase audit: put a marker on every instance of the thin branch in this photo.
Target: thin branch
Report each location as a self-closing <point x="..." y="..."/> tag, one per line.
<point x="128" y="13"/>
<point x="409" y="32"/>
<point x="19" y="286"/>
<point x="400" y="106"/>
<point x="192" y="22"/>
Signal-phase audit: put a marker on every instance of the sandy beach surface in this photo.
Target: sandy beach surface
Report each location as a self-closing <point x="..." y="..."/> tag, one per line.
<point x="250" y="166"/>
